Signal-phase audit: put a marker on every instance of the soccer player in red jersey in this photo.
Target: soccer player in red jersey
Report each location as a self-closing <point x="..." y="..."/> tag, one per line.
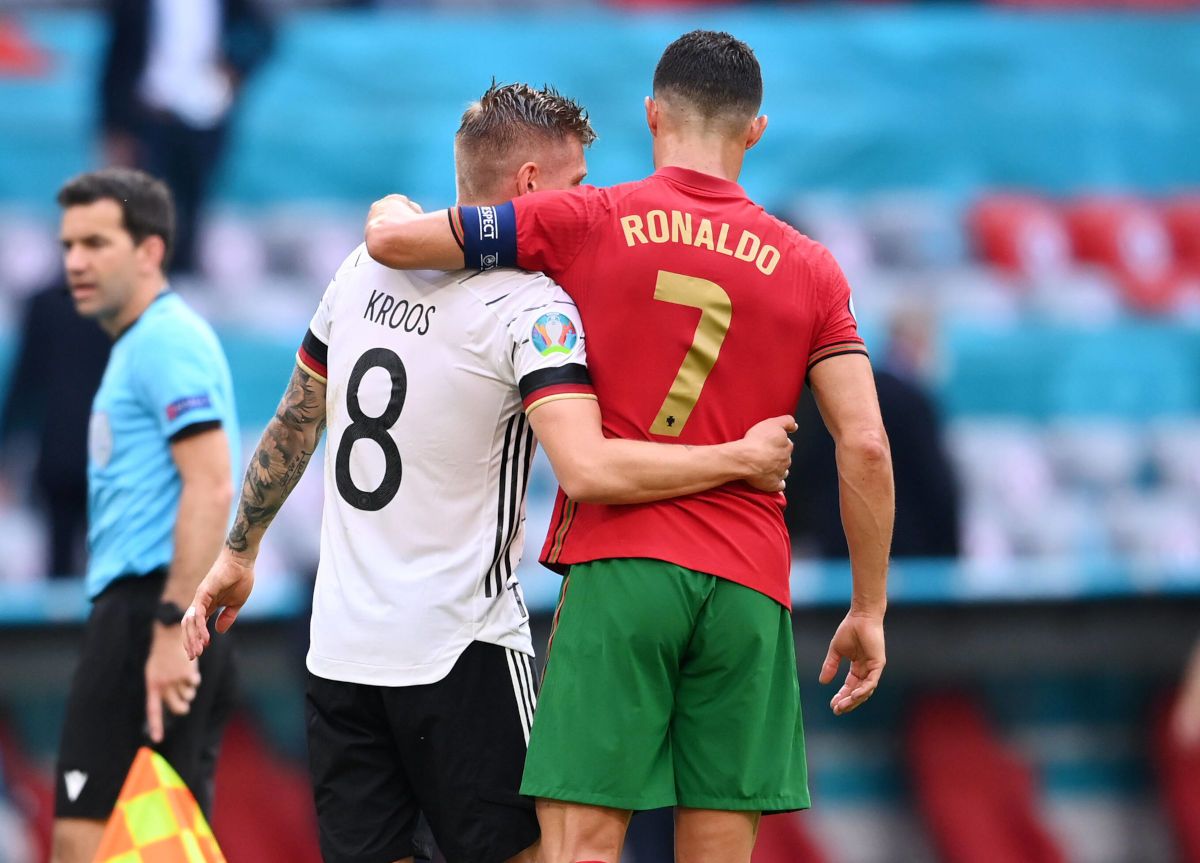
<point x="673" y="679"/>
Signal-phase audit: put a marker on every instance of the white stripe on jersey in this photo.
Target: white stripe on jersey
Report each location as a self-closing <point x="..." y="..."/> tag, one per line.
<point x="517" y="665"/>
<point x="427" y="462"/>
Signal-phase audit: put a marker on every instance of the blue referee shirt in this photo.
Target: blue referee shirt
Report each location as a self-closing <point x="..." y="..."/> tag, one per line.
<point x="166" y="377"/>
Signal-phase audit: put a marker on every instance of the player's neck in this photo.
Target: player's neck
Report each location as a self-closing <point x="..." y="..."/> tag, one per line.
<point x="144" y="294"/>
<point x="707" y="154"/>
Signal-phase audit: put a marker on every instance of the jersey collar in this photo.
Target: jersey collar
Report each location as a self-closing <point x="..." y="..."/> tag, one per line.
<point x="700" y="182"/>
<point x="160" y="295"/>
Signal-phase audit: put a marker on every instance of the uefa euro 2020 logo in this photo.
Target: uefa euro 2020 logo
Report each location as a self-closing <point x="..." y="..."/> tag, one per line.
<point x="554" y="333"/>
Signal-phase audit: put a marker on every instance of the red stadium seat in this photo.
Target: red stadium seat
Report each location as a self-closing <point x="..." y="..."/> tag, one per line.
<point x="263" y="809"/>
<point x="1020" y="233"/>
<point x="1182" y="216"/>
<point x="1130" y="239"/>
<point x="18" y="55"/>
<point x="783" y="839"/>
<point x="977" y="799"/>
<point x="1178" y="771"/>
<point x="31" y="789"/>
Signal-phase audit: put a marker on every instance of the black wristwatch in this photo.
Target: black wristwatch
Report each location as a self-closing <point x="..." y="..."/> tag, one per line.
<point x="168" y="614"/>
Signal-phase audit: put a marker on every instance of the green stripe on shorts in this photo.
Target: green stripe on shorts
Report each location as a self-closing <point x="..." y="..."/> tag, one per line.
<point x="665" y="686"/>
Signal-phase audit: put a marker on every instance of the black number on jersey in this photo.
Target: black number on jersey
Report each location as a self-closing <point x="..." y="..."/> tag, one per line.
<point x="363" y="427"/>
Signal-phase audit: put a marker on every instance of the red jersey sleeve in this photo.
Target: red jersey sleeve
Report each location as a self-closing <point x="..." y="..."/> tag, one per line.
<point x="836" y="330"/>
<point x="552" y="227"/>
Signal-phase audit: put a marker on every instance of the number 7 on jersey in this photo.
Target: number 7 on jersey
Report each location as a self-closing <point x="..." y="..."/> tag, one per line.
<point x="716" y="311"/>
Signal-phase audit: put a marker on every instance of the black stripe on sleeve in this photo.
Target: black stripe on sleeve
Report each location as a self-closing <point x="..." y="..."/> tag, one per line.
<point x="858" y="349"/>
<point x="315" y="348"/>
<point x="194" y="429"/>
<point x="571" y="373"/>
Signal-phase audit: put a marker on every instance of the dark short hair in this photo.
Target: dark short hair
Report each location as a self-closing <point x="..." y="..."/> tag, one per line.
<point x="715" y="72"/>
<point x="508" y="116"/>
<point x="147" y="208"/>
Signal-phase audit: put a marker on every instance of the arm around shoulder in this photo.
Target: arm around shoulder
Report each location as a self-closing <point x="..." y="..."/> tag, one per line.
<point x="400" y="236"/>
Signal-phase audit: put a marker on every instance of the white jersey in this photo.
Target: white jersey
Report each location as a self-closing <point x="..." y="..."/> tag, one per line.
<point x="427" y="459"/>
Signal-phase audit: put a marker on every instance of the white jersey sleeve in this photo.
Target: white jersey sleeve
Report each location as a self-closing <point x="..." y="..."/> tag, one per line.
<point x="313" y="355"/>
<point x="548" y="353"/>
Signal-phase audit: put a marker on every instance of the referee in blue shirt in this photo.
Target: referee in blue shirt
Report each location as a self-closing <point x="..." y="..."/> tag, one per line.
<point x="160" y="488"/>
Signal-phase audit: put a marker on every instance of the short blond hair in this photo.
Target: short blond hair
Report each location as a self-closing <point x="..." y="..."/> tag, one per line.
<point x="507" y="118"/>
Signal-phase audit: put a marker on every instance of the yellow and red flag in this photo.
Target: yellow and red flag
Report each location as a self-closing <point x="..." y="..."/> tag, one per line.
<point x="157" y="820"/>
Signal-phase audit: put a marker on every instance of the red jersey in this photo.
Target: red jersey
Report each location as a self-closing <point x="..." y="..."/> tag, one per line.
<point x="703" y="316"/>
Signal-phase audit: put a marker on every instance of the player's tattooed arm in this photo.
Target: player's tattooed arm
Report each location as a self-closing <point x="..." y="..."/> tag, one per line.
<point x="279" y="460"/>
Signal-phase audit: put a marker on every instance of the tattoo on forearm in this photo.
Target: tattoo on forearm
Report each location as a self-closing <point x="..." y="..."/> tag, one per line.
<point x="282" y="455"/>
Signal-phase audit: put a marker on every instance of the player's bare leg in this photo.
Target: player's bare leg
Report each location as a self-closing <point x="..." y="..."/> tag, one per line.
<point x="577" y="832"/>
<point x="713" y="836"/>
<point x="76" y="840"/>
<point x="529" y="855"/>
<point x="406" y="860"/>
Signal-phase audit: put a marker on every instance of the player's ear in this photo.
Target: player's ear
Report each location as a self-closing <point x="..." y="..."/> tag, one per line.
<point x="652" y="115"/>
<point x="152" y="252"/>
<point x="757" y="126"/>
<point x="527" y="179"/>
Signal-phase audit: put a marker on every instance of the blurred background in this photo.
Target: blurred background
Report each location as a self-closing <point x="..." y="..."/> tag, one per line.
<point x="1013" y="189"/>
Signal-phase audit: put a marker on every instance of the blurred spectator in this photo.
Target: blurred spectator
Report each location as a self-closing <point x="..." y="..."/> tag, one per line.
<point x="59" y="362"/>
<point x="171" y="79"/>
<point x="927" y="496"/>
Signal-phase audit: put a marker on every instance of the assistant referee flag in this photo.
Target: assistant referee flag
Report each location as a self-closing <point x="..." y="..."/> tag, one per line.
<point x="157" y="820"/>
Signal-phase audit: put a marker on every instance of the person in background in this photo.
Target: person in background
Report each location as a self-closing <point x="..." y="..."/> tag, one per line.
<point x="927" y="494"/>
<point x="160" y="492"/>
<point x="172" y="76"/>
<point x="49" y="396"/>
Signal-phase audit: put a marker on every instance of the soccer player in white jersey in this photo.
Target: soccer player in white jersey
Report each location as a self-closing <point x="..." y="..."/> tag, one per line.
<point x="421" y="691"/>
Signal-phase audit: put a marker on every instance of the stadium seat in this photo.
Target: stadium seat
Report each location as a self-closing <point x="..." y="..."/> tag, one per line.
<point x="975" y="294"/>
<point x="1156" y="527"/>
<point x="977" y="799"/>
<point x="231" y="252"/>
<point x="1174" y="449"/>
<point x="784" y="839"/>
<point x="1182" y="216"/>
<point x="1097" y="453"/>
<point x="1021" y="234"/>
<point x="29" y="256"/>
<point x="1087" y="296"/>
<point x="1061" y="524"/>
<point x="30" y="792"/>
<point x="914" y="230"/>
<point x="1177" y="769"/>
<point x="19" y="55"/>
<point x="1129" y="238"/>
<point x="263" y="806"/>
<point x="1002" y="460"/>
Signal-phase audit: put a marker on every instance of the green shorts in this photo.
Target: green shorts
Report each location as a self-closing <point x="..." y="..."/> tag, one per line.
<point x="668" y="687"/>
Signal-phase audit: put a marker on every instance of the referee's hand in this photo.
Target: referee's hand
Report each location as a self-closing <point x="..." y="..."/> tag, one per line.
<point x="226" y="587"/>
<point x="171" y="679"/>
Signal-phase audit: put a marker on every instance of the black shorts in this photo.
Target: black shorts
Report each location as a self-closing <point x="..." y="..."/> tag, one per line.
<point x="106" y="708"/>
<point x="453" y="750"/>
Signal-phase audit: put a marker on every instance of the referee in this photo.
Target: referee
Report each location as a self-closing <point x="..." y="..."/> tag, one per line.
<point x="159" y="498"/>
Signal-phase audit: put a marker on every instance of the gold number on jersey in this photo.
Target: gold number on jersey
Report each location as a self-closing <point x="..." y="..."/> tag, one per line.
<point x="716" y="311"/>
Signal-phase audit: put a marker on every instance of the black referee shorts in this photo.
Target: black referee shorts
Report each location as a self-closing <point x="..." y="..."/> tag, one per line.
<point x="453" y="750"/>
<point x="106" y="708"/>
